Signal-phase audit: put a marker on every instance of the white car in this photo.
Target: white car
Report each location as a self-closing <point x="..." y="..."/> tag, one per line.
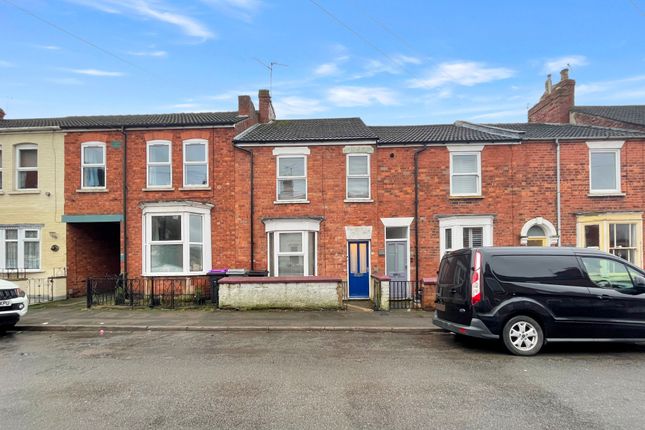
<point x="13" y="304"/>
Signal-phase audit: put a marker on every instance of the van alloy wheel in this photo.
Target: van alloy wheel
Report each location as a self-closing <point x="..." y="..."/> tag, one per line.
<point x="523" y="335"/>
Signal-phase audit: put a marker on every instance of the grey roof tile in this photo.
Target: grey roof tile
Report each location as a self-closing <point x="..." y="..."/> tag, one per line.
<point x="443" y="133"/>
<point x="564" y="131"/>
<point x="143" y="121"/>
<point x="301" y="130"/>
<point x="634" y="114"/>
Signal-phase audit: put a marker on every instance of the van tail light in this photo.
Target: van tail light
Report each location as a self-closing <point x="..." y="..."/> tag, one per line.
<point x="475" y="284"/>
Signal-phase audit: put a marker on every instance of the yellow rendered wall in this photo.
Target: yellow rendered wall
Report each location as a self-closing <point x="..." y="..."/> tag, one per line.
<point x="43" y="206"/>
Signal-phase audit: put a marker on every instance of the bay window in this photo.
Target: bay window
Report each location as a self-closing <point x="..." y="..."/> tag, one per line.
<point x="93" y="165"/>
<point x="26" y="167"/>
<point x="159" y="164"/>
<point x="292" y="246"/>
<point x="195" y="163"/>
<point x="20" y="248"/>
<point x="177" y="239"/>
<point x="458" y="232"/>
<point x="617" y="233"/>
<point x="0" y="168"/>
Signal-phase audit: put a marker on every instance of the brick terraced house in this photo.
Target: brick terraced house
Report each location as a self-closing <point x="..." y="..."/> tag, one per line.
<point x="333" y="197"/>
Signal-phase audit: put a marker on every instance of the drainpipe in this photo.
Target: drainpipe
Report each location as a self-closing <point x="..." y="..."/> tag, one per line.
<point x="558" y="202"/>
<point x="252" y="207"/>
<point x="416" y="212"/>
<point x="125" y="204"/>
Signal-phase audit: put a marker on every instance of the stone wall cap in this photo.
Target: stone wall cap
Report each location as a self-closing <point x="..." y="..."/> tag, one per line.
<point x="432" y="280"/>
<point x="380" y="277"/>
<point x="277" y="279"/>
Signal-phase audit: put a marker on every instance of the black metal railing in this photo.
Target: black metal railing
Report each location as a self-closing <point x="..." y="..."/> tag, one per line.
<point x="405" y="295"/>
<point x="167" y="293"/>
<point x="40" y="290"/>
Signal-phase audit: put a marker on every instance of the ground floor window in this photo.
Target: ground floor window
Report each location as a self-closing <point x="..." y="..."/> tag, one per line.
<point x="292" y="246"/>
<point x="465" y="232"/>
<point x="177" y="240"/>
<point x="539" y="232"/>
<point x="19" y="248"/>
<point x="618" y="234"/>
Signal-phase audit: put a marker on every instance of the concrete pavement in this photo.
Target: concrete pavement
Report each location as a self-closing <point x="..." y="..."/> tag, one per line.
<point x="72" y="315"/>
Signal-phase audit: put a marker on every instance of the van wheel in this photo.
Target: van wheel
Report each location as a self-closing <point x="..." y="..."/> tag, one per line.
<point x="523" y="336"/>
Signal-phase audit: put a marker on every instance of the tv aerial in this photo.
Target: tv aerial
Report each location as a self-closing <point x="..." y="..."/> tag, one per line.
<point x="270" y="67"/>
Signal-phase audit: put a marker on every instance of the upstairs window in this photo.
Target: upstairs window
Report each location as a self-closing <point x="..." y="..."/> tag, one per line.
<point x="93" y="165"/>
<point x="196" y="163"/>
<point x="358" y="176"/>
<point x="159" y="164"/>
<point x="27" y="167"/>
<point x="465" y="170"/>
<point x="292" y="178"/>
<point x="604" y="167"/>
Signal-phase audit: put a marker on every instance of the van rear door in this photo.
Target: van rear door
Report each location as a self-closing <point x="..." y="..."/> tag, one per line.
<point x="453" y="288"/>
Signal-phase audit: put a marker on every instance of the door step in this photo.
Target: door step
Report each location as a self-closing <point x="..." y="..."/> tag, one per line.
<point x="359" y="306"/>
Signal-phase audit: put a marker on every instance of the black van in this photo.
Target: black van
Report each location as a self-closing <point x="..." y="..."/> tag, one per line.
<point x="528" y="296"/>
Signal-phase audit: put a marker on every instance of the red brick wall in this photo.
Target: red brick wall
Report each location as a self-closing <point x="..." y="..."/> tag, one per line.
<point x="554" y="107"/>
<point x="583" y="118"/>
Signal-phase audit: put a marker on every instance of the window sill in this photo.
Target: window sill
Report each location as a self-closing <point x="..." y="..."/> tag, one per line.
<point x="359" y="201"/>
<point x="90" y="190"/>
<point x="195" y="189"/>
<point x="174" y="274"/>
<point x="291" y="202"/>
<point x="472" y="197"/>
<point x="24" y="192"/>
<point x="608" y="194"/>
<point x="157" y="189"/>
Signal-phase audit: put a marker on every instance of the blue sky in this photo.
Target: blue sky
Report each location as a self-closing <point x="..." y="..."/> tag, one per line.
<point x="389" y="62"/>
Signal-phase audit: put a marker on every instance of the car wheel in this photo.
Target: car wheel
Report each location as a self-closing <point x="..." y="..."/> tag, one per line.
<point x="523" y="336"/>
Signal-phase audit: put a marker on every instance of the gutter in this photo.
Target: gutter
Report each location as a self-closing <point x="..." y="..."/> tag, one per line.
<point x="252" y="206"/>
<point x="557" y="193"/>
<point x="416" y="212"/>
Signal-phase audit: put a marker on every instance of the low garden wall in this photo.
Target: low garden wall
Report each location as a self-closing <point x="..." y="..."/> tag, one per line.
<point x="311" y="292"/>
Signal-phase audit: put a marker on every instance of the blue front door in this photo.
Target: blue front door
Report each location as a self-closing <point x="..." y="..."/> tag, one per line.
<point x="359" y="270"/>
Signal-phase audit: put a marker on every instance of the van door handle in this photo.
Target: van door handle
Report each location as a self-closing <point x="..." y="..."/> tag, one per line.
<point x="453" y="291"/>
<point x="604" y="297"/>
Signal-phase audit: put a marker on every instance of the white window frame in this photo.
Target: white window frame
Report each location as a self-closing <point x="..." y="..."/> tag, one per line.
<point x="281" y="178"/>
<point x="1" y="170"/>
<point x="21" y="247"/>
<point x="616" y="153"/>
<point x="349" y="176"/>
<point x="475" y="150"/>
<point x="457" y="224"/>
<point x="21" y="147"/>
<point x="184" y="210"/>
<point x="83" y="165"/>
<point x="186" y="143"/>
<point x="149" y="164"/>
<point x="304" y="226"/>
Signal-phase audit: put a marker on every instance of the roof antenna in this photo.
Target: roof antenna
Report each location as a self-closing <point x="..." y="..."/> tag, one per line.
<point x="270" y="66"/>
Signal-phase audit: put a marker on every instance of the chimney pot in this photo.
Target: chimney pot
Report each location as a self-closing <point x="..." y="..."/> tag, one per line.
<point x="548" y="85"/>
<point x="564" y="74"/>
<point x="2" y="113"/>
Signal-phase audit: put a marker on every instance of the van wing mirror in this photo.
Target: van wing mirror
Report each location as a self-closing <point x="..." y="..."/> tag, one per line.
<point x="639" y="282"/>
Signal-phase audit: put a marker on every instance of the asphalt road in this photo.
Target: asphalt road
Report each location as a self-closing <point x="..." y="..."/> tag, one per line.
<point x="76" y="380"/>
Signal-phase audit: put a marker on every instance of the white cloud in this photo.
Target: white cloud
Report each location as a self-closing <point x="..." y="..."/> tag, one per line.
<point x="557" y="64"/>
<point x="350" y="96"/>
<point x="244" y="10"/>
<point x="6" y="64"/>
<point x="467" y="73"/>
<point x="157" y="54"/>
<point x="610" y="85"/>
<point x="327" y="69"/>
<point x="293" y="106"/>
<point x="396" y="66"/>
<point x="96" y="72"/>
<point x="65" y="81"/>
<point x="152" y="9"/>
<point x="511" y="113"/>
<point x="49" y="47"/>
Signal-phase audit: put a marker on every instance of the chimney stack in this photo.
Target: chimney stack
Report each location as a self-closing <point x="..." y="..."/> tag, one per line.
<point x="555" y="103"/>
<point x="2" y="114"/>
<point x="246" y="108"/>
<point x="267" y="114"/>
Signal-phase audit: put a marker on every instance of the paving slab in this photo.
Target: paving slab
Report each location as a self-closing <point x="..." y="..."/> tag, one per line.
<point x="73" y="315"/>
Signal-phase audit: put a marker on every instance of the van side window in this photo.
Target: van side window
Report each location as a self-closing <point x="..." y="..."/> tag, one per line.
<point x="541" y="269"/>
<point x="606" y="273"/>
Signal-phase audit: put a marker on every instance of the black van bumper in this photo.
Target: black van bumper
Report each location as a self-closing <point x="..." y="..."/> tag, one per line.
<point x="475" y="329"/>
